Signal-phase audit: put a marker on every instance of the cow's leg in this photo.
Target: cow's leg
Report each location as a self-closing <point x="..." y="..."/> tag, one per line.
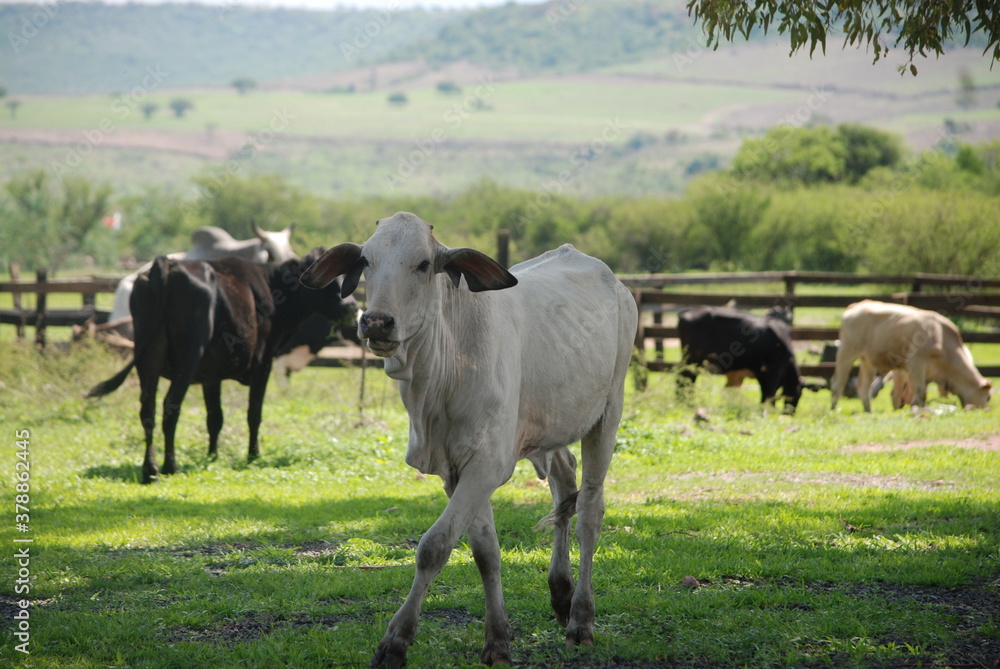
<point x="841" y="373"/>
<point x="147" y="415"/>
<point x="685" y="381"/>
<point x="171" y="413"/>
<point x="185" y="363"/>
<point x="866" y="374"/>
<point x="486" y="551"/>
<point x="213" y="408"/>
<point x="596" y="449"/>
<point x="769" y="378"/>
<point x="917" y="373"/>
<point x="258" y="387"/>
<point x="469" y="500"/>
<point x="562" y="482"/>
<point x="902" y="389"/>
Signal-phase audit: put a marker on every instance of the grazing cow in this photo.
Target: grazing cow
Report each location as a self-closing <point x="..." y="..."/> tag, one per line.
<point x="209" y="243"/>
<point x="729" y="340"/>
<point x="489" y="378"/>
<point x="204" y="321"/>
<point x="923" y="344"/>
<point x="736" y="377"/>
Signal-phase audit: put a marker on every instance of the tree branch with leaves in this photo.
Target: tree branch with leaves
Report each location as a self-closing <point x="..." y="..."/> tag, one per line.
<point x="920" y="27"/>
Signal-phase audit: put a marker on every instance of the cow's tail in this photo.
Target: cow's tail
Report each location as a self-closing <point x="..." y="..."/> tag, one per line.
<point x="561" y="514"/>
<point x="157" y="282"/>
<point x="112" y="384"/>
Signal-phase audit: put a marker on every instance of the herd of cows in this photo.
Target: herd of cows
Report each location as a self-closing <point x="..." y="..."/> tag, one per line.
<point x="493" y="366"/>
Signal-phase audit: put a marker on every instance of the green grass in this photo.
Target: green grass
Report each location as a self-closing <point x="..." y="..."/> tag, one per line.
<point x="557" y="110"/>
<point x="811" y="549"/>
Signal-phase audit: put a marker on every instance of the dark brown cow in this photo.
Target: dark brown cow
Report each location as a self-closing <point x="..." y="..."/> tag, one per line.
<point x="205" y="321"/>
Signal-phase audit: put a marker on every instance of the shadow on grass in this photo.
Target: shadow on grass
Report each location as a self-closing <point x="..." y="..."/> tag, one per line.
<point x="128" y="473"/>
<point x="833" y="584"/>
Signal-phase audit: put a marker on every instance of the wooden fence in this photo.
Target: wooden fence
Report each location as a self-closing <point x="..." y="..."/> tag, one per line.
<point x="955" y="296"/>
<point x="41" y="316"/>
<point x="658" y="295"/>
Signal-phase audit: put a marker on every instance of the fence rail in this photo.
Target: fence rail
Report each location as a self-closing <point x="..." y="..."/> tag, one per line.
<point x="656" y="294"/>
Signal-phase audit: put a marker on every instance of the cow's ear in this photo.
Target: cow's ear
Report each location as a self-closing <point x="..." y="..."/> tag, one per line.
<point x="341" y="259"/>
<point x="481" y="272"/>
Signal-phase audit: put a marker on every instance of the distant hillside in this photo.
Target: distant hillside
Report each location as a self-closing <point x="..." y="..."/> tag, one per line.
<point x="95" y="48"/>
<point x="566" y="36"/>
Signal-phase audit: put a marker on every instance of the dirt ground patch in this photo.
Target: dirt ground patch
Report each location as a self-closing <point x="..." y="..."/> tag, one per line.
<point x="986" y="443"/>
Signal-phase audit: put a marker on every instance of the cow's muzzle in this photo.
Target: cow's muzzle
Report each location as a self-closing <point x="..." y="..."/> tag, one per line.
<point x="378" y="329"/>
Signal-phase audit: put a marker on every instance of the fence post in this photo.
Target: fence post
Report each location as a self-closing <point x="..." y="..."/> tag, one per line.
<point x="658" y="343"/>
<point x="503" y="247"/>
<point x="640" y="375"/>
<point x="790" y="281"/>
<point x="15" y="274"/>
<point x="41" y="297"/>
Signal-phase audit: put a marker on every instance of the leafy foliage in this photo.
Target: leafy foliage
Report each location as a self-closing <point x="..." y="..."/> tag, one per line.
<point x="233" y="203"/>
<point x="48" y="220"/>
<point x="920" y="26"/>
<point x="843" y="199"/>
<point x="817" y="154"/>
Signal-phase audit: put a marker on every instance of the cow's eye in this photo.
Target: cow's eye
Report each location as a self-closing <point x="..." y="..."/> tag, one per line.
<point x="424" y="266"/>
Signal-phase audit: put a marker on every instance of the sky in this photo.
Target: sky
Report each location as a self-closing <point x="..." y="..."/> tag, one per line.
<point x="331" y="4"/>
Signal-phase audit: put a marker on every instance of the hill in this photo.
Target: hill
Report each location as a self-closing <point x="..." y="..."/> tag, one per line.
<point x="597" y="98"/>
<point x="97" y="48"/>
<point x="558" y="37"/>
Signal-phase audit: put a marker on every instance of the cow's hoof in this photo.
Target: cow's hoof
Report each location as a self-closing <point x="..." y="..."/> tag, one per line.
<point x="579" y="636"/>
<point x="150" y="475"/>
<point x="495" y="652"/>
<point x="561" y="598"/>
<point x="389" y="656"/>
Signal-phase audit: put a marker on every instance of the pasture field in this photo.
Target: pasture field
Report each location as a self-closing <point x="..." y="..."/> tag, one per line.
<point x="653" y="124"/>
<point x="566" y="110"/>
<point x="820" y="539"/>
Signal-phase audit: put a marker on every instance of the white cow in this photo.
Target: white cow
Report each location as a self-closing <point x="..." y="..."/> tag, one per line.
<point x="489" y="378"/>
<point x="924" y="345"/>
<point x="210" y="243"/>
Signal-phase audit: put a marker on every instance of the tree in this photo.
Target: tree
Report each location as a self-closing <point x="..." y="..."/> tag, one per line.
<point x="920" y="26"/>
<point x="966" y="97"/>
<point x="448" y="88"/>
<point x="181" y="106"/>
<point x="800" y="155"/>
<point x="51" y="219"/>
<point x="868" y="148"/>
<point x="149" y="109"/>
<point x="398" y="99"/>
<point x="13" y="106"/>
<point x="243" y="84"/>
<point x="231" y="202"/>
